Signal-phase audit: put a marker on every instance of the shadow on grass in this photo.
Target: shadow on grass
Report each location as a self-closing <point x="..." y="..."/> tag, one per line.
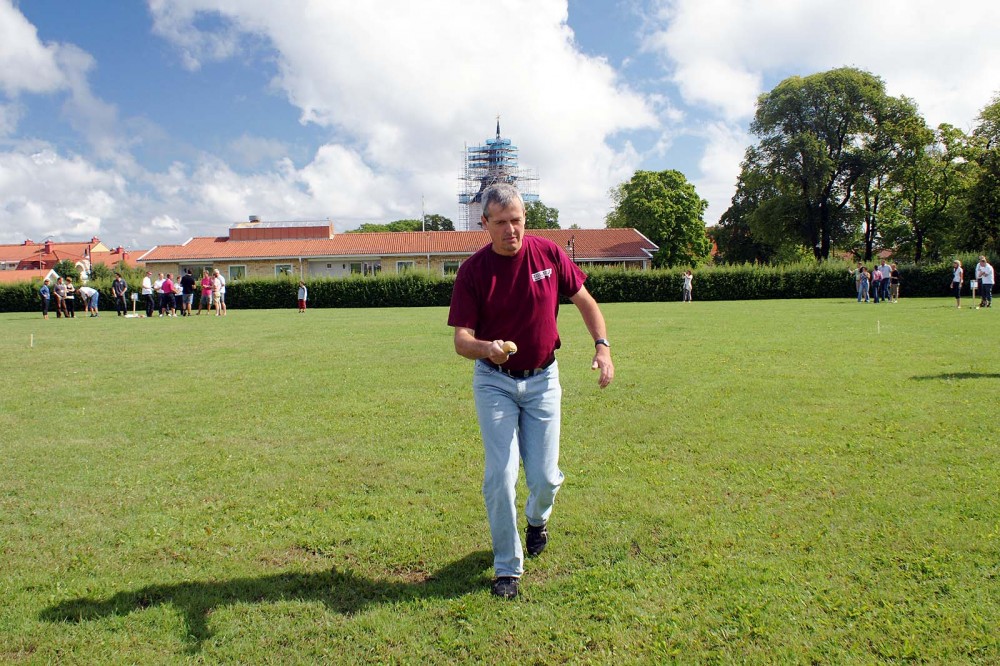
<point x="342" y="592"/>
<point x="957" y="375"/>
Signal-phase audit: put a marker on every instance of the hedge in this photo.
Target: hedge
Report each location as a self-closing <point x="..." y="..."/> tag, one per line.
<point x="419" y="289"/>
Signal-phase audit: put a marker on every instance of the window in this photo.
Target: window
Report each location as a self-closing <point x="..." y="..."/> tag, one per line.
<point x="237" y="273"/>
<point x="403" y="266"/>
<point x="451" y="267"/>
<point x="357" y="268"/>
<point x="282" y="270"/>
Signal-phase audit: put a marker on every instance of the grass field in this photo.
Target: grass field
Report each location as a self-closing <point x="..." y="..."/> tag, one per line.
<point x="765" y="482"/>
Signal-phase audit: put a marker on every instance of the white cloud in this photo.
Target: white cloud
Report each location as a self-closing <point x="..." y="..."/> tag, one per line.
<point x="721" y="54"/>
<point x="30" y="207"/>
<point x="10" y="116"/>
<point x="26" y="65"/>
<point x="405" y="84"/>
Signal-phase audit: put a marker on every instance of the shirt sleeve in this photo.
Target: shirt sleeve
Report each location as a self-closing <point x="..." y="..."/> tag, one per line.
<point x="463" y="312"/>
<point x="571" y="278"/>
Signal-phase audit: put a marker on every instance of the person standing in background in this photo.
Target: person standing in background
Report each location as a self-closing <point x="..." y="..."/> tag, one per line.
<point x="147" y="292"/>
<point x="45" y="295"/>
<point x="957" y="276"/>
<point x="303" y="296"/>
<point x="984" y="274"/>
<point x="158" y="288"/>
<point x="894" y="283"/>
<point x="206" y="292"/>
<point x="886" y="270"/>
<point x="60" y="294"/>
<point x="118" y="289"/>
<point x="167" y="297"/>
<point x="187" y="291"/>
<point x="70" y="299"/>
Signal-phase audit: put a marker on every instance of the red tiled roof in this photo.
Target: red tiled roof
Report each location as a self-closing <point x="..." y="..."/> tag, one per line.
<point x="591" y="245"/>
<point x="33" y="255"/>
<point x="111" y="259"/>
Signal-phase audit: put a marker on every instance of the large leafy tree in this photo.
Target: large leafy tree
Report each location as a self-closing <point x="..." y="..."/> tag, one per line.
<point x="932" y="181"/>
<point x="816" y="139"/>
<point x="898" y="131"/>
<point x="663" y="206"/>
<point x="981" y="230"/>
<point x="539" y="216"/>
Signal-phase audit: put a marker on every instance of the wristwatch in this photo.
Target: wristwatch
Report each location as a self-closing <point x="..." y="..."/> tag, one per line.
<point x="602" y="341"/>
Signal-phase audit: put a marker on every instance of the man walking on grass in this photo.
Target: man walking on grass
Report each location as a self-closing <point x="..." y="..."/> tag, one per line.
<point x="509" y="291"/>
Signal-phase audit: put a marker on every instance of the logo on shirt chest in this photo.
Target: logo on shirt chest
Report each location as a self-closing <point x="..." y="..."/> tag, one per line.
<point x="541" y="275"/>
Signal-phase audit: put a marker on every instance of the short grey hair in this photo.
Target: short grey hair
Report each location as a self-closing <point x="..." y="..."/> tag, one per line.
<point x="501" y="194"/>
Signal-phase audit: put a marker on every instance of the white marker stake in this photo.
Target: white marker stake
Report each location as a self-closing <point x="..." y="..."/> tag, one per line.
<point x="32" y="340"/>
<point x="878" y="326"/>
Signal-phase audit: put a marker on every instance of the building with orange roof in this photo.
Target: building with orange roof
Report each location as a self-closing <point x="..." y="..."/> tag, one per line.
<point x="312" y="249"/>
<point x="30" y="255"/>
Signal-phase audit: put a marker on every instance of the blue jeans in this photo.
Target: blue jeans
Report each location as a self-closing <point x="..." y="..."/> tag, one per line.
<point x="518" y="418"/>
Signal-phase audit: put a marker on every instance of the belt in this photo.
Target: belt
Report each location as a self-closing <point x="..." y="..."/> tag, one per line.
<point x="520" y="374"/>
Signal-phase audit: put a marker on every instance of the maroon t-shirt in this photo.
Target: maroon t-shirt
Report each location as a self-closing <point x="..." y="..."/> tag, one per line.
<point x="516" y="298"/>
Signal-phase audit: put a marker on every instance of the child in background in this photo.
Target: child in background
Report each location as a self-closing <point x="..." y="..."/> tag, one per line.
<point x="303" y="296"/>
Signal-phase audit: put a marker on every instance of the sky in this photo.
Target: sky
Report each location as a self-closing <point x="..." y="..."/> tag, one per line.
<point x="147" y="123"/>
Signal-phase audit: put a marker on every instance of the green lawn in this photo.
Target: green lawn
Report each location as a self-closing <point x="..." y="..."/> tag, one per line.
<point x="765" y="482"/>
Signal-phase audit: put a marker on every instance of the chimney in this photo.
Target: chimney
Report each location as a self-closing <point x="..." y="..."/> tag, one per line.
<point x="29" y="242"/>
<point x="48" y="247"/>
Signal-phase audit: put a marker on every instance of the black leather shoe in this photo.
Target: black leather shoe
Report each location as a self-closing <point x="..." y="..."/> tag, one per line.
<point x="536" y="539"/>
<point x="504" y="587"/>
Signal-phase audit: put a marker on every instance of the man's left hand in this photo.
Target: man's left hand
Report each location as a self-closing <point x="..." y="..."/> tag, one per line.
<point x="602" y="362"/>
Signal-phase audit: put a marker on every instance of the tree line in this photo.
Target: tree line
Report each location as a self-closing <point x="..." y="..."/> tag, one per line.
<point x="536" y="216"/>
<point x="841" y="165"/>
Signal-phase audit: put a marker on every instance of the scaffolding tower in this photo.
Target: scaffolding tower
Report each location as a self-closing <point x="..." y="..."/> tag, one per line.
<point x="494" y="162"/>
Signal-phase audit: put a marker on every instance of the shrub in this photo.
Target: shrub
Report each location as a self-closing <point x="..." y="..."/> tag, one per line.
<point x="830" y="279"/>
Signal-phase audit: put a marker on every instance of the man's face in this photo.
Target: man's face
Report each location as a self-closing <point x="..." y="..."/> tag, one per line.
<point x="506" y="227"/>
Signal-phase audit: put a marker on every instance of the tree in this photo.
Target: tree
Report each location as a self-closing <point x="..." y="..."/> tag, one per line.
<point x="430" y="223"/>
<point x="739" y="235"/>
<point x="100" y="272"/>
<point x="816" y="134"/>
<point x="398" y="225"/>
<point x="664" y="207"/>
<point x="933" y="179"/>
<point x="981" y="231"/>
<point x="437" y="222"/>
<point x="66" y="268"/>
<point x="539" y="216"/>
<point x="898" y="130"/>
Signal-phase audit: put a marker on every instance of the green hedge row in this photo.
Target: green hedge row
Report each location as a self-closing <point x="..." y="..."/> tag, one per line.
<point x="416" y="289"/>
